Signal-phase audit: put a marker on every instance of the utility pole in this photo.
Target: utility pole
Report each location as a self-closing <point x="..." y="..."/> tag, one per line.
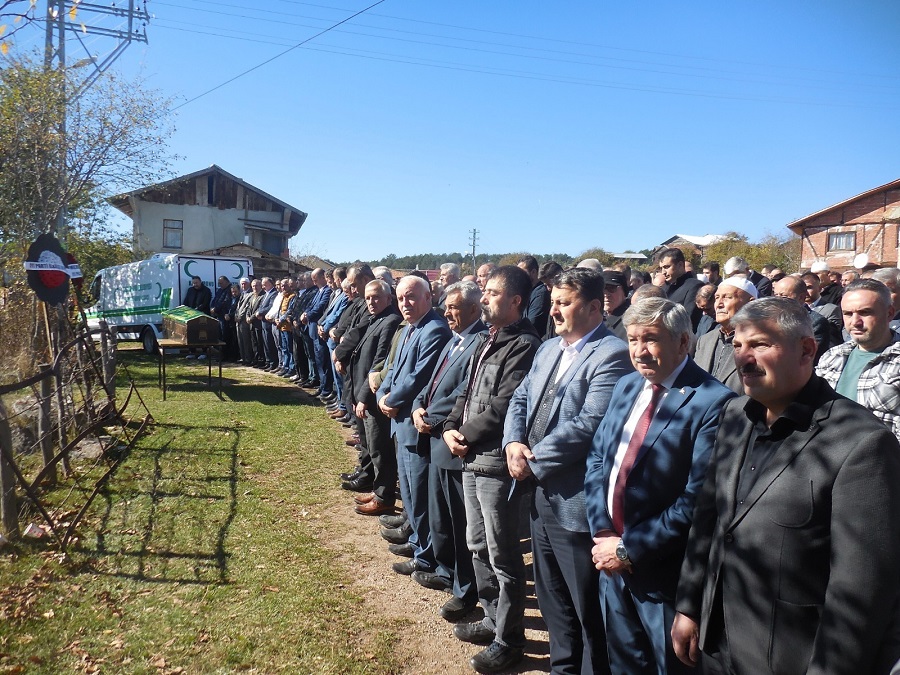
<point x="474" y="235"/>
<point x="68" y="16"/>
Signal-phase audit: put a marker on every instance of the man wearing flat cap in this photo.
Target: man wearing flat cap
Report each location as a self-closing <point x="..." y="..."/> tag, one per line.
<point x="714" y="351"/>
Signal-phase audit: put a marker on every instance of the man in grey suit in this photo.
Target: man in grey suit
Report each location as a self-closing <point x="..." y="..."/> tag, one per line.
<point x="714" y="351"/>
<point x="793" y="555"/>
<point x="446" y="504"/>
<point x="418" y="350"/>
<point x="551" y="419"/>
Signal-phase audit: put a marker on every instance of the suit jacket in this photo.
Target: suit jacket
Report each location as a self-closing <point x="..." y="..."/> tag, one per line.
<point x="683" y="291"/>
<point x="198" y="298"/>
<point x="832" y="314"/>
<point x="265" y="304"/>
<point x="243" y="306"/>
<point x="668" y="472"/>
<point x="317" y="307"/>
<point x="581" y="400"/>
<point x="411" y="372"/>
<point x="805" y="570"/>
<point x="538" y="310"/>
<point x="373" y="347"/>
<point x="705" y="356"/>
<point x="614" y="320"/>
<point x="444" y="391"/>
<point x="762" y="282"/>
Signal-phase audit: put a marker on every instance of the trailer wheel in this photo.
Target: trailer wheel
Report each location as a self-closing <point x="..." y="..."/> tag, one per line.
<point x="149" y="341"/>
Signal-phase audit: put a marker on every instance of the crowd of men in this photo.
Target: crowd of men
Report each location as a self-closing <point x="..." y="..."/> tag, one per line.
<point x="707" y="466"/>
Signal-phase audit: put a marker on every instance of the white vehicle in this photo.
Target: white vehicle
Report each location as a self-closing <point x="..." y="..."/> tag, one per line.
<point x="132" y="297"/>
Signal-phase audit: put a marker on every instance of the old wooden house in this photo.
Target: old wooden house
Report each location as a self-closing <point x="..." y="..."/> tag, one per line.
<point x="206" y="210"/>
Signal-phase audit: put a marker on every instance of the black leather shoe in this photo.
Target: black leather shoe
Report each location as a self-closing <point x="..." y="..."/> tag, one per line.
<point x="392" y="522"/>
<point x="406" y="567"/>
<point x="476" y="633"/>
<point x="431" y="580"/>
<point x="496" y="658"/>
<point x="352" y="475"/>
<point x="455" y="609"/>
<point x="310" y="384"/>
<point x="398" y="535"/>
<point x="403" y="550"/>
<point x="359" y="484"/>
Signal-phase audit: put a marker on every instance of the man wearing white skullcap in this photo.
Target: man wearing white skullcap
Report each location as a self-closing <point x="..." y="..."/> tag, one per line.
<point x="715" y="353"/>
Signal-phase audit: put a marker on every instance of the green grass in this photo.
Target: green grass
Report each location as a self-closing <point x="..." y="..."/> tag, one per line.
<point x="204" y="552"/>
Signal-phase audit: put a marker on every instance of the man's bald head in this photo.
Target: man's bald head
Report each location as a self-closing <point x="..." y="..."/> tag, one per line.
<point x="791" y="287"/>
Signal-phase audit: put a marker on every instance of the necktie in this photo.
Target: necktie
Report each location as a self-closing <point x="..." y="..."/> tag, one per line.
<point x="634" y="446"/>
<point x="409" y="333"/>
<point x="454" y="341"/>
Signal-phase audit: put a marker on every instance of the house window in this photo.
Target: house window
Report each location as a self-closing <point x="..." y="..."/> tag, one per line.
<point x="842" y="241"/>
<point x="173" y="233"/>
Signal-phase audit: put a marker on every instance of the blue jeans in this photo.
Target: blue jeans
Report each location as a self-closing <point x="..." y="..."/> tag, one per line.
<point x="492" y="534"/>
<point x="287" y="350"/>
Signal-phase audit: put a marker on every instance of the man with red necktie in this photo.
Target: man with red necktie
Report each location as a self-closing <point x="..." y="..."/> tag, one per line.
<point x="645" y="468"/>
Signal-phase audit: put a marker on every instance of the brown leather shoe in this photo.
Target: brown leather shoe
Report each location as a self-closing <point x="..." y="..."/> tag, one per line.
<point x="374" y="508"/>
<point x="364" y="498"/>
<point x="337" y="414"/>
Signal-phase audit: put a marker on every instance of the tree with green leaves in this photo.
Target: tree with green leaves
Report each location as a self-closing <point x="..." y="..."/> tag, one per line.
<point x="64" y="152"/>
<point x="783" y="252"/>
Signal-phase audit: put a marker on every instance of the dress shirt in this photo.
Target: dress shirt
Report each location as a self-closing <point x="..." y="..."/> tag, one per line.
<point x="570" y="353"/>
<point x="640" y="404"/>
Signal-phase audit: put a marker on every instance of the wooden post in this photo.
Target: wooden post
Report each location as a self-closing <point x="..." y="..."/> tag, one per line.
<point x="108" y="358"/>
<point x="9" y="508"/>
<point x="44" y="425"/>
<point x="62" y="426"/>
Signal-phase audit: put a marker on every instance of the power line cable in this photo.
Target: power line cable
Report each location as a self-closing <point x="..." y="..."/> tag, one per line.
<point x="715" y="59"/>
<point x="525" y="75"/>
<point x="718" y="74"/>
<point x="277" y="56"/>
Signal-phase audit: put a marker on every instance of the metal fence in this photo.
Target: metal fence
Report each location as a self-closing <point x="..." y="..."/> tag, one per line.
<point x="63" y="434"/>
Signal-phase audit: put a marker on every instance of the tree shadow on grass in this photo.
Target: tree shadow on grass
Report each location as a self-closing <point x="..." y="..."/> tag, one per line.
<point x="270" y="395"/>
<point x="167" y="519"/>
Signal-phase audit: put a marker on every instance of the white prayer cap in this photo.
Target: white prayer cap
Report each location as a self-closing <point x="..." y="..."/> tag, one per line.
<point x="742" y="283"/>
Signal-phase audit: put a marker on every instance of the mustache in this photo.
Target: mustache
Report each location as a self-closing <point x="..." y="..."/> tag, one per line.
<point x="750" y="369"/>
<point x="647" y="361"/>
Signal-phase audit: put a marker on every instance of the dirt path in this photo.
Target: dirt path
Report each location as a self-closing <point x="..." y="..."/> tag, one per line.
<point x="430" y="646"/>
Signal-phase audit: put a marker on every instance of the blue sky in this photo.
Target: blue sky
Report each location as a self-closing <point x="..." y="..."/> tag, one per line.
<point x="548" y="127"/>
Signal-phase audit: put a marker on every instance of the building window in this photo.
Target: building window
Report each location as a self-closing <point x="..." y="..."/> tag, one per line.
<point x="842" y="241"/>
<point x="173" y="233"/>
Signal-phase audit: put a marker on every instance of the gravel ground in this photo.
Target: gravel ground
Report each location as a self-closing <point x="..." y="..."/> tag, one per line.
<point x="429" y="646"/>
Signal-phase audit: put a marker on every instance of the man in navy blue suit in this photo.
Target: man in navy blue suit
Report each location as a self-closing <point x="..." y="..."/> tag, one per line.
<point x="447" y="506"/>
<point x="310" y="320"/>
<point x="418" y="350"/>
<point x="551" y="419"/>
<point x="645" y="469"/>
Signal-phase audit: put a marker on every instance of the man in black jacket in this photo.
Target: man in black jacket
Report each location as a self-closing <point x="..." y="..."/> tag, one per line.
<point x="198" y="296"/>
<point x="681" y="285"/>
<point x="474" y="431"/>
<point x="381" y="470"/>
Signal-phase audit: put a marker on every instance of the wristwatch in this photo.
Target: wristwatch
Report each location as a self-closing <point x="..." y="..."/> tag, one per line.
<point x="621" y="553"/>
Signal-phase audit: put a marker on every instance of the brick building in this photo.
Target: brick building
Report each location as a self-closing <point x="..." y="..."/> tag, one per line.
<point x="867" y="223"/>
